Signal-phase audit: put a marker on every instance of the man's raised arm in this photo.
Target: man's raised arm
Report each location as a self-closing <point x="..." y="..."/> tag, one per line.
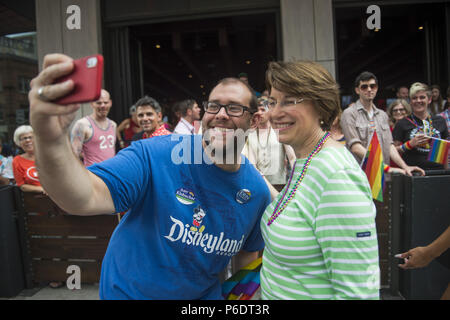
<point x="68" y="183"/>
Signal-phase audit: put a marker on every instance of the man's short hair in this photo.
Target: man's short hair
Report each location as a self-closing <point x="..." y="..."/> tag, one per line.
<point x="365" y="76"/>
<point x="185" y="105"/>
<point x="148" y="101"/>
<point x="243" y="74"/>
<point x="253" y="104"/>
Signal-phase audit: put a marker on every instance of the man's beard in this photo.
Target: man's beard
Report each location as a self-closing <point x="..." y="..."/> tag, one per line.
<point x="230" y="150"/>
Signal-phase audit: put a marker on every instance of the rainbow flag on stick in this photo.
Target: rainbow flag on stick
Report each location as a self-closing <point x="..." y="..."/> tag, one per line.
<point x="244" y="283"/>
<point x="439" y="151"/>
<point x="373" y="166"/>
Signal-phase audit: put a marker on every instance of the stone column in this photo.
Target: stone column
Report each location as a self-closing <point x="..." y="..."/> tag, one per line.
<point x="308" y="32"/>
<point x="55" y="36"/>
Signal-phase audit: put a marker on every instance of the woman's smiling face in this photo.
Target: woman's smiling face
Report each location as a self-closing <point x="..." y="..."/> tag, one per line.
<point x="26" y="142"/>
<point x="295" y="123"/>
<point x="420" y="102"/>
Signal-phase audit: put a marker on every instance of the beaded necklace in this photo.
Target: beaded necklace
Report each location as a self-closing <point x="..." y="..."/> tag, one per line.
<point x="282" y="202"/>
<point x="424" y="126"/>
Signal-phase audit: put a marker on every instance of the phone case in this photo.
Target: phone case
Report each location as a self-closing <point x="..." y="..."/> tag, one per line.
<point x="87" y="76"/>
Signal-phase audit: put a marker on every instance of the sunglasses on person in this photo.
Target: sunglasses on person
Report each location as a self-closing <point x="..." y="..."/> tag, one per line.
<point x="372" y="86"/>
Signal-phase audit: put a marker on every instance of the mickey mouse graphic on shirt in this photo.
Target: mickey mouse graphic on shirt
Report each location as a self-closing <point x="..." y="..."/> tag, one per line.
<point x="198" y="216"/>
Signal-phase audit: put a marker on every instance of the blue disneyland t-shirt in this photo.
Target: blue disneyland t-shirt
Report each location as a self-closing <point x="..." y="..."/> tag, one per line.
<point x="185" y="222"/>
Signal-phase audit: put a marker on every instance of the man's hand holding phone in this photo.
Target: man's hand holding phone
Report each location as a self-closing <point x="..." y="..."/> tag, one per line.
<point x="62" y="175"/>
<point x="56" y="91"/>
<point x="50" y="121"/>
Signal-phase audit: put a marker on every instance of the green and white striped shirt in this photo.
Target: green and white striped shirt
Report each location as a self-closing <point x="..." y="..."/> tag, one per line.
<point x="324" y="244"/>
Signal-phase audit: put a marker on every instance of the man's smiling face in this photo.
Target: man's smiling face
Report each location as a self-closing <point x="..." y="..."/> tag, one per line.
<point x="219" y="129"/>
<point x="148" y="118"/>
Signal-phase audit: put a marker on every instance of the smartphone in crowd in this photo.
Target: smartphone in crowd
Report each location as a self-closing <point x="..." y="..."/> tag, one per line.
<point x="87" y="75"/>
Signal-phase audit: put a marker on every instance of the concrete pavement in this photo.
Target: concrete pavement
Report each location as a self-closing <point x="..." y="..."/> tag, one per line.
<point x="87" y="292"/>
<point x="90" y="292"/>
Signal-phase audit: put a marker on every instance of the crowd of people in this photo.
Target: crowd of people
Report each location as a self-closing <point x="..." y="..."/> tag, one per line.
<point x="294" y="190"/>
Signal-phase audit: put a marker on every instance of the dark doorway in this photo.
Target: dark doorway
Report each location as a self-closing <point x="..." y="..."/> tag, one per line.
<point x="174" y="61"/>
<point x="411" y="46"/>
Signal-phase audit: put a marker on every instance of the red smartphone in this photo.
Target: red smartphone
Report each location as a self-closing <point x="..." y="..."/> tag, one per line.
<point x="87" y="76"/>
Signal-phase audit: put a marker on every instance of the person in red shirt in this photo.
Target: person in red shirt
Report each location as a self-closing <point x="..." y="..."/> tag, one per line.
<point x="24" y="168"/>
<point x="129" y="127"/>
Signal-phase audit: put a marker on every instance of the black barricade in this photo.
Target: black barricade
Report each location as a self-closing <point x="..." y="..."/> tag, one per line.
<point x="420" y="213"/>
<point x="12" y="279"/>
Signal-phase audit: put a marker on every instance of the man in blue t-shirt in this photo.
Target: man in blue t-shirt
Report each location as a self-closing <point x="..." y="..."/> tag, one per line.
<point x="194" y="200"/>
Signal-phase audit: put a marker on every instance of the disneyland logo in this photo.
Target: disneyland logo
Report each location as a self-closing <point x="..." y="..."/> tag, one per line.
<point x="220" y="146"/>
<point x="208" y="242"/>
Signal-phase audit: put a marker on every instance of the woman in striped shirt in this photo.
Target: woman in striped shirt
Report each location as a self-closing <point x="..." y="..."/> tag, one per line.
<point x="319" y="232"/>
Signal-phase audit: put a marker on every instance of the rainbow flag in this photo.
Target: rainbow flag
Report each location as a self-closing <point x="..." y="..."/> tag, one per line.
<point x="439" y="151"/>
<point x="244" y="283"/>
<point x="373" y="166"/>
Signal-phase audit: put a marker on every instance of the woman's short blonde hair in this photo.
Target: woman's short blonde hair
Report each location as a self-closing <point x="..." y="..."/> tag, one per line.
<point x="20" y="131"/>
<point x="417" y="87"/>
<point x="395" y="103"/>
<point x="310" y="81"/>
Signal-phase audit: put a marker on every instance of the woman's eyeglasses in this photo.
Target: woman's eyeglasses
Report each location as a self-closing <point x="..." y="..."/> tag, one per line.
<point x="26" y="138"/>
<point x="272" y="103"/>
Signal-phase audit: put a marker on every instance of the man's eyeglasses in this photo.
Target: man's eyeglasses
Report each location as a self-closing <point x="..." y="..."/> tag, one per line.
<point x="372" y="86"/>
<point x="272" y="103"/>
<point x="232" y="109"/>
